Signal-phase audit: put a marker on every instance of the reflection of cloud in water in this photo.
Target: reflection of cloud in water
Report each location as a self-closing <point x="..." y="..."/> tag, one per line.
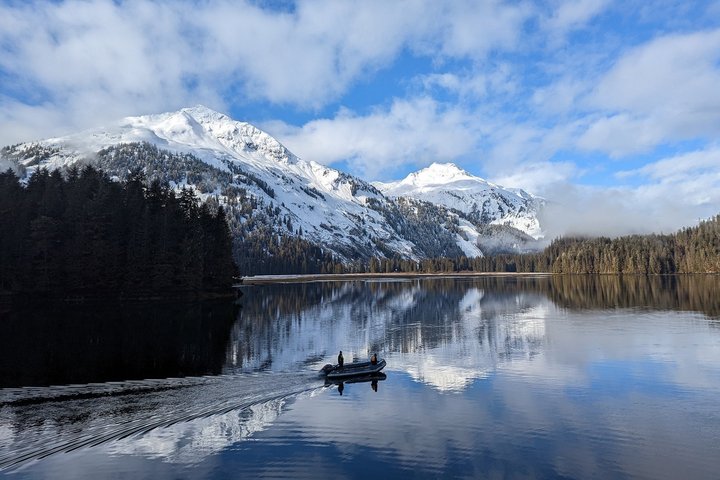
<point x="444" y="337"/>
<point x="683" y="345"/>
<point x="562" y="425"/>
<point x="445" y="376"/>
<point x="477" y="343"/>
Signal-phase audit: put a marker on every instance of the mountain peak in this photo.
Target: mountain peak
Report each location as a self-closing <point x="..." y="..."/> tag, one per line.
<point x="437" y="174"/>
<point x="449" y="185"/>
<point x="200" y="127"/>
<point x="202" y="114"/>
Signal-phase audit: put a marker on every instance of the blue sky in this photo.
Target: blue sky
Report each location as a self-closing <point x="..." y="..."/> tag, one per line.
<point x="609" y="109"/>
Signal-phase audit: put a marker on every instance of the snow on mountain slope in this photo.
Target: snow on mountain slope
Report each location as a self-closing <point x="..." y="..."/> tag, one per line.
<point x="482" y="201"/>
<point x="265" y="186"/>
<point x="209" y="135"/>
<point x="289" y="195"/>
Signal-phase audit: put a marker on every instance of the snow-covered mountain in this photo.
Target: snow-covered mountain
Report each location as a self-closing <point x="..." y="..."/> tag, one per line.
<point x="271" y="195"/>
<point x="482" y="201"/>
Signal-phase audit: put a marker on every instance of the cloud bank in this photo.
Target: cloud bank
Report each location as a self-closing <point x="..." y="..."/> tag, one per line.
<point x="93" y="60"/>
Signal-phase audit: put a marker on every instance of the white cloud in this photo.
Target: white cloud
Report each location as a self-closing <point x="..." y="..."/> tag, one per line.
<point x="20" y="121"/>
<point x="665" y="90"/>
<point x="410" y="132"/>
<point x="96" y="59"/>
<point x="521" y="147"/>
<point x="491" y="84"/>
<point x="687" y="179"/>
<point x="520" y="100"/>
<point x="622" y="134"/>
<point x="687" y="165"/>
<point x="581" y="210"/>
<point x="540" y="178"/>
<point x="465" y="87"/>
<point x="472" y="28"/>
<point x="677" y="192"/>
<point x="75" y="65"/>
<point x="313" y="55"/>
<point x="573" y="14"/>
<point x="307" y="58"/>
<point x="560" y="97"/>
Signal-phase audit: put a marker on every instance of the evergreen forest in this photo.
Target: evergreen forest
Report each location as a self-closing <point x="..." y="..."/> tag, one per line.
<point x="691" y="250"/>
<point x="80" y="234"/>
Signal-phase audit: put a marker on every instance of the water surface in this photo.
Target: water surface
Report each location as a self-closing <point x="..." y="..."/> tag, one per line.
<point x="499" y="377"/>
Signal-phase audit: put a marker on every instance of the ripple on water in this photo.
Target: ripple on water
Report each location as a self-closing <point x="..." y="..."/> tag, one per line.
<point x="36" y="423"/>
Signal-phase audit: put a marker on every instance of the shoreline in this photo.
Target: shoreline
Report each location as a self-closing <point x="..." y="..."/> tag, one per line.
<point x="339" y="277"/>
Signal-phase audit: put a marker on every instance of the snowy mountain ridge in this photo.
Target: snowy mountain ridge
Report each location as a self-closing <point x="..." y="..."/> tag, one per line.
<point x="435" y="174"/>
<point x="439" y="211"/>
<point x="487" y="203"/>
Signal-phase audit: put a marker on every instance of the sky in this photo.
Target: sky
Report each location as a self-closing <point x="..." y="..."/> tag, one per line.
<point x="610" y="110"/>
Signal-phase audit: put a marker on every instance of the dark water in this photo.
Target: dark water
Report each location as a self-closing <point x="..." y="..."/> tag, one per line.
<point x="495" y="377"/>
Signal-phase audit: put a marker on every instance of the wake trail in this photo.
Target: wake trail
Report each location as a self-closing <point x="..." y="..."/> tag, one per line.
<point x="63" y="419"/>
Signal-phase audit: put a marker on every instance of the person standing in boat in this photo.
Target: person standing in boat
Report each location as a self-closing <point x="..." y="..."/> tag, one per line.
<point x="341" y="359"/>
<point x="373" y="359"/>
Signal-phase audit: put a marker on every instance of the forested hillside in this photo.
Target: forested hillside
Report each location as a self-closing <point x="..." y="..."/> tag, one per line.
<point x="691" y="250"/>
<point x="266" y="238"/>
<point x="263" y="236"/>
<point x="82" y="234"/>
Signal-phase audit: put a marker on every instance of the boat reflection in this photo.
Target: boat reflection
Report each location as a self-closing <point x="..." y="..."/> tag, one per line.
<point x="373" y="379"/>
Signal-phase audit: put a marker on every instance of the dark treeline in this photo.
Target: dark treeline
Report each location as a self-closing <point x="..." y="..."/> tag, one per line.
<point x="81" y="234"/>
<point x="260" y="248"/>
<point x="691" y="250"/>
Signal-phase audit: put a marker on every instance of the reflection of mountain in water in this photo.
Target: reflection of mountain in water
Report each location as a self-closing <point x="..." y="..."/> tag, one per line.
<point x="178" y="421"/>
<point x="444" y="331"/>
<point x="192" y="441"/>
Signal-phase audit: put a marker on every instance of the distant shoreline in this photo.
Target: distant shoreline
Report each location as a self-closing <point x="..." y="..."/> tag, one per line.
<point x="331" y="277"/>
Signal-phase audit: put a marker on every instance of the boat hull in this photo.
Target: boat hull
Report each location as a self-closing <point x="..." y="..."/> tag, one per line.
<point x="356" y="369"/>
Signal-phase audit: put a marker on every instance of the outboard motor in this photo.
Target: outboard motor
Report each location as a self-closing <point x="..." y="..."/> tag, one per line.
<point x="327" y="369"/>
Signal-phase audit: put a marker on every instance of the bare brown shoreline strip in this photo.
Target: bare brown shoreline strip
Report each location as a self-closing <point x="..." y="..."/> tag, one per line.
<point x="333" y="277"/>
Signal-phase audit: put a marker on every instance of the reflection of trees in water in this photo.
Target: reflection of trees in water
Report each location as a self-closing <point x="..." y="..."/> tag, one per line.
<point x="425" y="324"/>
<point x="274" y="316"/>
<point x="429" y="305"/>
<point x="423" y="314"/>
<point x="99" y="343"/>
<point x="699" y="293"/>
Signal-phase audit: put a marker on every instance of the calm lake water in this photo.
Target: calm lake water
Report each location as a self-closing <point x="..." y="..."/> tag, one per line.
<point x="490" y="377"/>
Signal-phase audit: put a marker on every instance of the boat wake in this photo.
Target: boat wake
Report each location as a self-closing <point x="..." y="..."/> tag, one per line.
<point x="38" y="422"/>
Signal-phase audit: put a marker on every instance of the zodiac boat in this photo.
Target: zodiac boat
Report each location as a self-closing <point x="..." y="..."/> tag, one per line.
<point x="354" y="369"/>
